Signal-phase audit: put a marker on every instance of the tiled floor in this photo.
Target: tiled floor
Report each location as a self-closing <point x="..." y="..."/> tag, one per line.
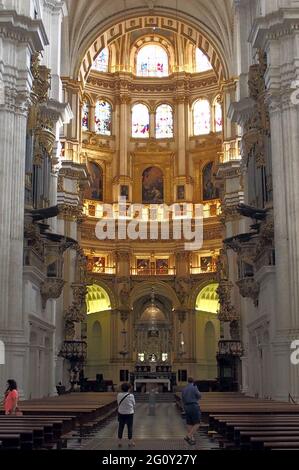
<point x="164" y="431"/>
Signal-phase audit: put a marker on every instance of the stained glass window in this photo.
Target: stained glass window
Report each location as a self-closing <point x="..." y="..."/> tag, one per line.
<point x="103" y="118"/>
<point x="152" y="61"/>
<point x="140" y="121"/>
<point x="164" y="122"/>
<point x="202" y="117"/>
<point x="202" y="62"/>
<point x="102" y="61"/>
<point x="85" y="116"/>
<point x="218" y="117"/>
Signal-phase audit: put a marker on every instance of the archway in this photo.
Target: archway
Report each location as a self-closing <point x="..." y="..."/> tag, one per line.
<point x="108" y="31"/>
<point x="98" y="327"/>
<point x="207" y="331"/>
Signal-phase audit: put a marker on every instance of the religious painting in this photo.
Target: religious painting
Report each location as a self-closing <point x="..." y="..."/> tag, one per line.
<point x="153" y="333"/>
<point x="124" y="191"/>
<point x="152" y="186"/>
<point x="152" y="358"/>
<point x="206" y="263"/>
<point x="181" y="193"/>
<point x="210" y="191"/>
<point x="96" y="264"/>
<point x="91" y="210"/>
<point x="143" y="266"/>
<point x="162" y="266"/>
<point x="99" y="265"/>
<point x="95" y="191"/>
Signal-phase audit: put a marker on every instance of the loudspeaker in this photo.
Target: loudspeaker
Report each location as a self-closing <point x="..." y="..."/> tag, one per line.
<point x="182" y="374"/>
<point x="123" y="375"/>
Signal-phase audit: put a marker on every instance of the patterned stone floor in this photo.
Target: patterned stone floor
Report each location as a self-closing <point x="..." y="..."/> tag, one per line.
<point x="164" y="431"/>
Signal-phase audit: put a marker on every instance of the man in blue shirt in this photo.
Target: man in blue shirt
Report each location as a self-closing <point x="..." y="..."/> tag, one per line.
<point x="190" y="398"/>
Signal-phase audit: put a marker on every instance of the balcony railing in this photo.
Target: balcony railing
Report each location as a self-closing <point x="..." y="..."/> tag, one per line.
<point x="153" y="272"/>
<point x="154" y="212"/>
<point x="102" y="270"/>
<point x="230" y="348"/>
<point x="202" y="270"/>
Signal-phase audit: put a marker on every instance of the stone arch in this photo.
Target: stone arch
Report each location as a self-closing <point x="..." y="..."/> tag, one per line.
<point x="209" y="279"/>
<point x="162" y="288"/>
<point x="193" y="30"/>
<point x="101" y="286"/>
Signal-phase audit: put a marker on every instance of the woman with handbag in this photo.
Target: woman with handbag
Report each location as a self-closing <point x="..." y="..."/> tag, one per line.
<point x="11" y="398"/>
<point x="126" y="409"/>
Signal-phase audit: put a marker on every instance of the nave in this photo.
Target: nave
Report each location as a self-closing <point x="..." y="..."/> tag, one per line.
<point x="163" y="431"/>
<point x="88" y="421"/>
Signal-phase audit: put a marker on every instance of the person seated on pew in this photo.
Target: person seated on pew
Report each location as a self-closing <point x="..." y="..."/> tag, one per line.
<point x="11" y="398"/>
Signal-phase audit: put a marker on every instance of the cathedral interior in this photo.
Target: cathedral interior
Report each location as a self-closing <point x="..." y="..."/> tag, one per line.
<point x="110" y="113"/>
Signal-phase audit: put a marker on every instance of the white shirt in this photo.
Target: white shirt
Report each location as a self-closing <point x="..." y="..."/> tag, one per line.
<point x="127" y="406"/>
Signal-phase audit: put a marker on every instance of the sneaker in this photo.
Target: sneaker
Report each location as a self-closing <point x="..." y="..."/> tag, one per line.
<point x="132" y="444"/>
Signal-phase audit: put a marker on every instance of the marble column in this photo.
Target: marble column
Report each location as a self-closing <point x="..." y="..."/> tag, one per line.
<point x="20" y="36"/>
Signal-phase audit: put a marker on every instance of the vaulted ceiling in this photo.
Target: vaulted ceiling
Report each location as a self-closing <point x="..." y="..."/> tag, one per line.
<point x="88" y="18"/>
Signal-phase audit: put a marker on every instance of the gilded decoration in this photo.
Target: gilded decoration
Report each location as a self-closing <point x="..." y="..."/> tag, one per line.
<point x="257" y="126"/>
<point x="227" y="312"/>
<point x="77" y="311"/>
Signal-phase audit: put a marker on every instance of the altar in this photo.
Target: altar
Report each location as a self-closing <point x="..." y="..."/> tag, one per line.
<point x="160" y="381"/>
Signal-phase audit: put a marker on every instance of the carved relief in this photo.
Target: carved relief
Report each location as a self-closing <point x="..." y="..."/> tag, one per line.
<point x="183" y="287"/>
<point x="77" y="311"/>
<point x="51" y="289"/>
<point x="258" y="123"/>
<point x="227" y="312"/>
<point x="249" y="288"/>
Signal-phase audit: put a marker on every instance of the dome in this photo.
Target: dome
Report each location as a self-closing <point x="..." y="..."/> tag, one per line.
<point x="153" y="314"/>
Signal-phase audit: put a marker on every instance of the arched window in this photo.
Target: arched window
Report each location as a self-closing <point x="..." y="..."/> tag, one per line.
<point x="85" y="116"/>
<point x="202" y="117"/>
<point x="103" y="118"/>
<point x="202" y="62"/>
<point x="152" y="186"/>
<point x="218" y="119"/>
<point x="101" y="63"/>
<point x="152" y="61"/>
<point x="164" y="122"/>
<point x="140" y="121"/>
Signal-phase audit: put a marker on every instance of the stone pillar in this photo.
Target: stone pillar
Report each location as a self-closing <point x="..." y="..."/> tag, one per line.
<point x="19" y="38"/>
<point x="181" y="135"/>
<point x="124" y="132"/>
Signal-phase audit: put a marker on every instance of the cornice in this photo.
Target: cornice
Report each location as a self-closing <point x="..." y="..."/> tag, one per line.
<point x="274" y="25"/>
<point x="23" y="29"/>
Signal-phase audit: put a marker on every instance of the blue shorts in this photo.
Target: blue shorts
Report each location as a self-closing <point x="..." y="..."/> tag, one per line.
<point x="193" y="414"/>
